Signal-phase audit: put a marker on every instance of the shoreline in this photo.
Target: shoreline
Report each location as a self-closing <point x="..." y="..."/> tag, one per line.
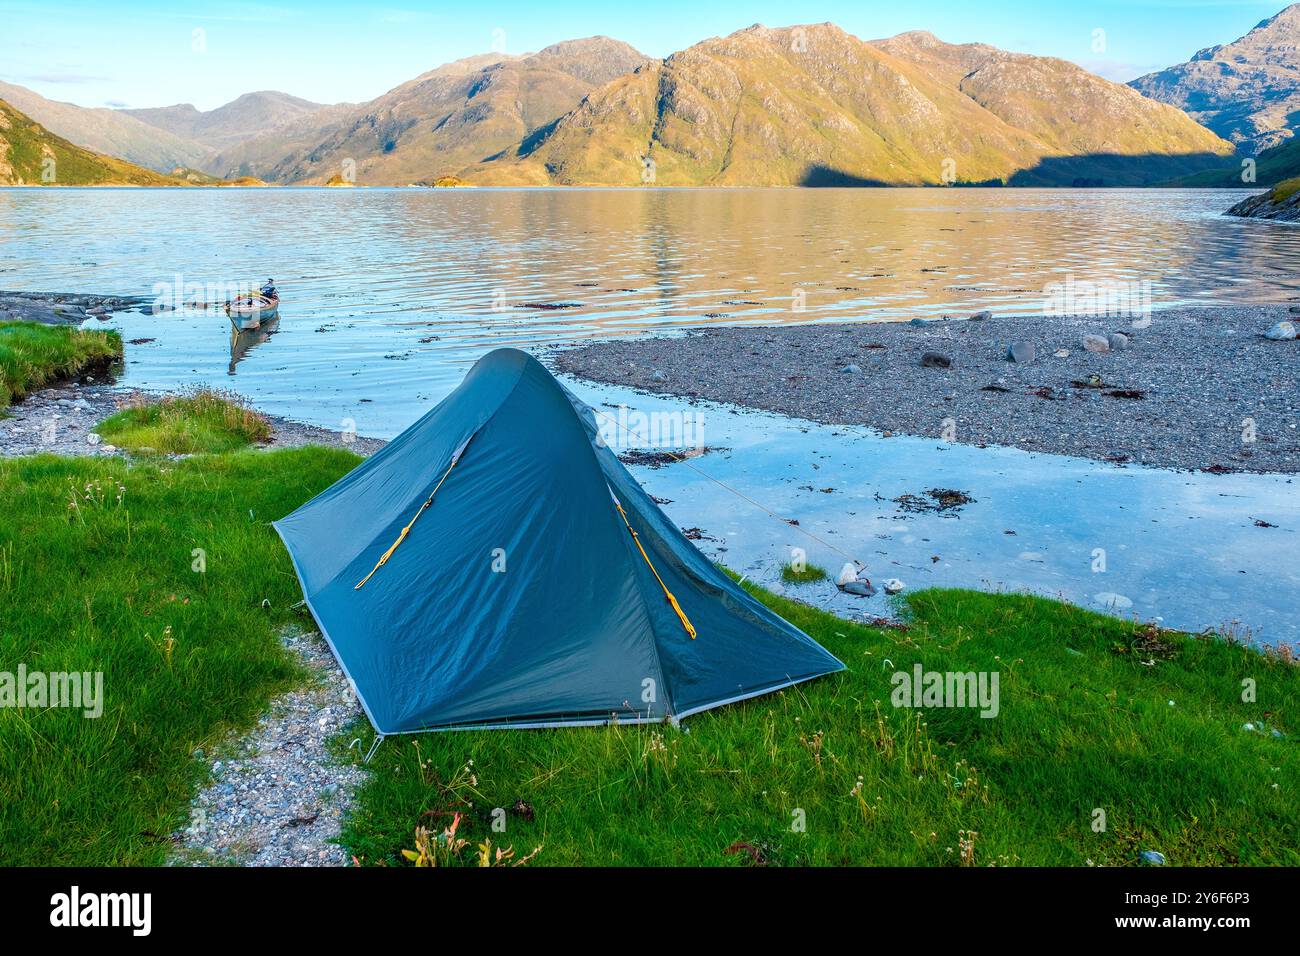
<point x="1196" y="389"/>
<point x="60" y="420"/>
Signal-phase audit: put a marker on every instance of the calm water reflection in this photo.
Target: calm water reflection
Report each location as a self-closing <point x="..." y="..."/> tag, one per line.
<point x="389" y="294"/>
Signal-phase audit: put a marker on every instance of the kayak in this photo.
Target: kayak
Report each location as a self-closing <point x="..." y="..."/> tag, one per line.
<point x="250" y="311"/>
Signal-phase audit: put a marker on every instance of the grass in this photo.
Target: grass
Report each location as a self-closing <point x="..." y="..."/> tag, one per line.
<point x="204" y="421"/>
<point x="33" y="356"/>
<point x="167" y="578"/>
<point x="1110" y="740"/>
<point x="802" y="573"/>
<point x="1285" y="190"/>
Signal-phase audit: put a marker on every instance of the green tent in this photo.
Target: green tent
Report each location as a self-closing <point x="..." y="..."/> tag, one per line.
<point x="496" y="566"/>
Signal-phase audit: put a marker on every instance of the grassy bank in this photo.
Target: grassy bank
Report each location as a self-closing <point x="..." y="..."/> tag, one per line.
<point x="1109" y="741"/>
<point x="166" y="577"/>
<point x="201" y="421"/>
<point x="33" y="356"/>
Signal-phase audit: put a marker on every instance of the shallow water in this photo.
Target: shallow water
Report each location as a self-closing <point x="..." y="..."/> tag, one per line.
<point x="1179" y="548"/>
<point x="389" y="296"/>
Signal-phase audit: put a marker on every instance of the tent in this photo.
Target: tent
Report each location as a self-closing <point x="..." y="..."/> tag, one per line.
<point x="496" y="566"/>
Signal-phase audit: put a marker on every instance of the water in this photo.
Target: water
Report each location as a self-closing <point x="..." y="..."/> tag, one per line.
<point x="389" y="295"/>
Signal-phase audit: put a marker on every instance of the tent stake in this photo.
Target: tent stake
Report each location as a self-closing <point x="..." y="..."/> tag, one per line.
<point x="379" y="739"/>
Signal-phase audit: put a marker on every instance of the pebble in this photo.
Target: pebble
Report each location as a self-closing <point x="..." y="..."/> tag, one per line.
<point x="1282" y="332"/>
<point x="892" y="585"/>
<point x="981" y="316"/>
<point x="935" y="360"/>
<point x="851" y="369"/>
<point x="1062" y="353"/>
<point x="1096" y="343"/>
<point x="1117" y="341"/>
<point x="1020" y="352"/>
<point x="1153" y="857"/>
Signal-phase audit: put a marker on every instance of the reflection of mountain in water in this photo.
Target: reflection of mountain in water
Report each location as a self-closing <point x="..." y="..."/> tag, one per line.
<point x="243" y="340"/>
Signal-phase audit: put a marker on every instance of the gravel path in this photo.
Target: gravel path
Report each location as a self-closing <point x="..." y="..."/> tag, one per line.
<point x="62" y="421"/>
<point x="278" y="796"/>
<point x="1195" y="389"/>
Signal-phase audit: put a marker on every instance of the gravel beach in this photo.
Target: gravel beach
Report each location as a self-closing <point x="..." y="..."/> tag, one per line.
<point x="1194" y="389"/>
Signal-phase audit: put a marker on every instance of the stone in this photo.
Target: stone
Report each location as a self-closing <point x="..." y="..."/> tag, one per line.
<point x="850" y="369"/>
<point x="892" y="585"/>
<point x="1020" y="352"/>
<point x="860" y="588"/>
<point x="981" y="316"/>
<point x="1062" y="353"/>
<point x="658" y="376"/>
<point x="93" y="439"/>
<point x="1153" y="858"/>
<point x="1117" y="341"/>
<point x="1096" y="343"/>
<point x="1282" y="332"/>
<point x="935" y="360"/>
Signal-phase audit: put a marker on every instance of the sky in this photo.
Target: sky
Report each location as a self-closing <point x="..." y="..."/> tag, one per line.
<point x="150" y="53"/>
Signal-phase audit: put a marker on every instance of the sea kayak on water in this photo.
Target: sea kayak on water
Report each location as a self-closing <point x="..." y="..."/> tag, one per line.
<point x="250" y="311"/>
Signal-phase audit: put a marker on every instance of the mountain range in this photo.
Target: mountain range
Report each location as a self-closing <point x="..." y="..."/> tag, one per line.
<point x="803" y="105"/>
<point x="1247" y="91"/>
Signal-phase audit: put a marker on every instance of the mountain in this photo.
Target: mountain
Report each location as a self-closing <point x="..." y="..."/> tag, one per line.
<point x="1247" y="91"/>
<point x="30" y="155"/>
<point x="813" y="105"/>
<point x="250" y="115"/>
<point x="459" y="115"/>
<point x="105" y="131"/>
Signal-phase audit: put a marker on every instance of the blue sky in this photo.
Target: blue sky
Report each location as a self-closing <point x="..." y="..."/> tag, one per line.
<point x="150" y="53"/>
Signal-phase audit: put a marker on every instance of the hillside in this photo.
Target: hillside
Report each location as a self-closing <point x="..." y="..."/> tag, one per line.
<point x="816" y="106"/>
<point x="1271" y="167"/>
<point x="30" y="155"/>
<point x="444" y="121"/>
<point x="1247" y="91"/>
<point x="244" y="118"/>
<point x="111" y="132"/>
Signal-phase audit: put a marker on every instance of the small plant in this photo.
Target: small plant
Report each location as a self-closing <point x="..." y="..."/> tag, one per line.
<point x="802" y="573"/>
<point x="201" y="421"/>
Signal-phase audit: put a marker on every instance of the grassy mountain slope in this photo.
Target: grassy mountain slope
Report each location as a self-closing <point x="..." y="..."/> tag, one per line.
<point x="814" y="105"/>
<point x="448" y="119"/>
<point x="111" y="132"/>
<point x="32" y="155"/>
<point x="1271" y="167"/>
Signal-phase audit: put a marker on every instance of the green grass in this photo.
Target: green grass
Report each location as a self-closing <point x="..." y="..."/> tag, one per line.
<point x="1085" y="722"/>
<point x="186" y="654"/>
<point x="1084" y="725"/>
<point x="203" y="421"/>
<point x="1284" y="190"/>
<point x="804" y="574"/>
<point x="33" y="356"/>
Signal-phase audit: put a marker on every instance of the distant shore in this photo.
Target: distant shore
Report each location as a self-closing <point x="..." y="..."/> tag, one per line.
<point x="1196" y="389"/>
